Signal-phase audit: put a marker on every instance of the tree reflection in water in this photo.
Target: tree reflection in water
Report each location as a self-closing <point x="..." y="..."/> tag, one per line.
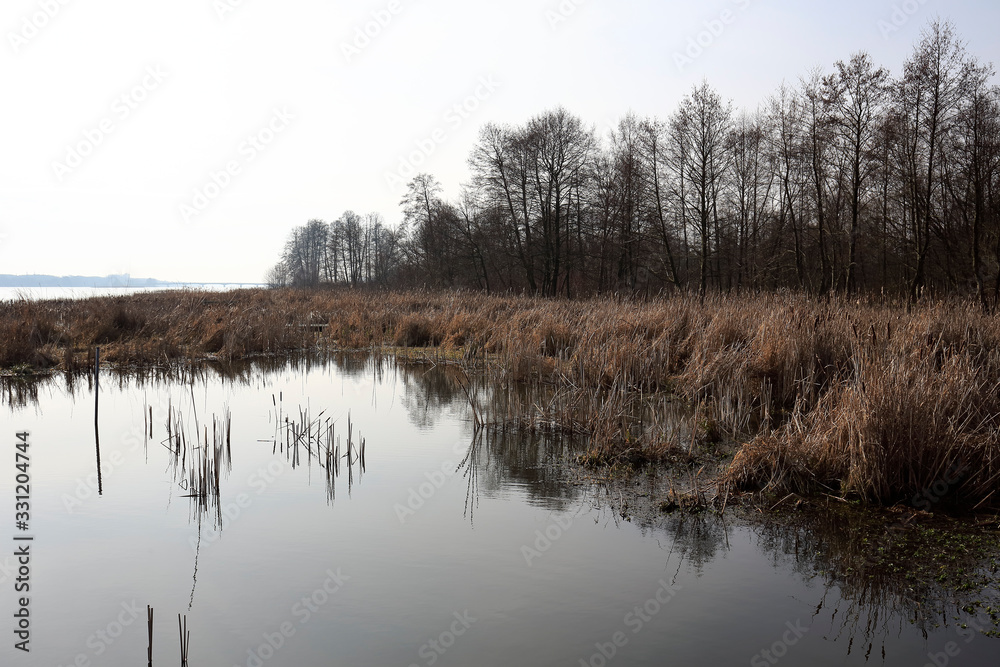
<point x="880" y="572"/>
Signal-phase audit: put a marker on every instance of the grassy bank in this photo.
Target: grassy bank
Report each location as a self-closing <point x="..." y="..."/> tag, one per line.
<point x="845" y="398"/>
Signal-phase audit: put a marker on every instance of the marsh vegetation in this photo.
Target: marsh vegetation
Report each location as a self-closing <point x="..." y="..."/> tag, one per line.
<point x="853" y="398"/>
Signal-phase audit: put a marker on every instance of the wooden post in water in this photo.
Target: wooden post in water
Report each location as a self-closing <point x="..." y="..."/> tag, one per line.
<point x="149" y="621"/>
<point x="185" y="639"/>
<point x="97" y="433"/>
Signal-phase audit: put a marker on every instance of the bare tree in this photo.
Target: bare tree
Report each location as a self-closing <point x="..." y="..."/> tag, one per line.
<point x="705" y="120"/>
<point x="304" y="253"/>
<point x="935" y="79"/>
<point x="976" y="150"/>
<point x="423" y="211"/>
<point x="753" y="177"/>
<point x="559" y="148"/>
<point x="857" y="93"/>
<point x="500" y="171"/>
<point x="653" y="141"/>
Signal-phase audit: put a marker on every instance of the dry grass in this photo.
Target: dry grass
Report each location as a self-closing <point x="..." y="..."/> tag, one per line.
<point x="842" y="397"/>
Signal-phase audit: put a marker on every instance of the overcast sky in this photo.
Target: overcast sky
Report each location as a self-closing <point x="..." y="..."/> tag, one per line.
<point x="183" y="140"/>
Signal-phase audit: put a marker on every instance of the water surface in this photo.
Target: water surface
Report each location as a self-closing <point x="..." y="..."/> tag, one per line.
<point x="446" y="549"/>
<point x="37" y="293"/>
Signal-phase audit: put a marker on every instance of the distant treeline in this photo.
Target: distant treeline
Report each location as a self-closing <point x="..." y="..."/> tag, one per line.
<point x="853" y="180"/>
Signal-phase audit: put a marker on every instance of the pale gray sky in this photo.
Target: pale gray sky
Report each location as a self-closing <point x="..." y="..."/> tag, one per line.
<point x="183" y="140"/>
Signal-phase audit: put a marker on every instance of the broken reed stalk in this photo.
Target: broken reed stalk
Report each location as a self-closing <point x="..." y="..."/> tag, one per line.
<point x="97" y="430"/>
<point x="149" y="622"/>
<point x="350" y="465"/>
<point x="185" y="635"/>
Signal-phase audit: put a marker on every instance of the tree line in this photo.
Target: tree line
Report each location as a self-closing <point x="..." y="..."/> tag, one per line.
<point x="851" y="181"/>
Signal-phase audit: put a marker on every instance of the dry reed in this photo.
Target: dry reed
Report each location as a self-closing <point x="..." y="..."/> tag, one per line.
<point x="844" y="397"/>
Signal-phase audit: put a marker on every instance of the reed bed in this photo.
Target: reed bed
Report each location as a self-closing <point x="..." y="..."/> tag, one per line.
<point x="319" y="439"/>
<point x="198" y="459"/>
<point x="849" y="398"/>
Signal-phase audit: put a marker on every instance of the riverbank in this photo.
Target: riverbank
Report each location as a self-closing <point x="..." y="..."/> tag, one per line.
<point x="851" y="399"/>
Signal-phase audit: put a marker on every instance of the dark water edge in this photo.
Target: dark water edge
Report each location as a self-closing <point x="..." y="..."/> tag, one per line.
<point x="933" y="570"/>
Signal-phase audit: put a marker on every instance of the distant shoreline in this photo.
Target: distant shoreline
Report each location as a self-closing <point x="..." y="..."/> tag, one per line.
<point x="124" y="281"/>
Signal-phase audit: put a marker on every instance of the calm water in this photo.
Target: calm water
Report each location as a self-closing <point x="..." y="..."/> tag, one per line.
<point x="444" y="550"/>
<point x="44" y="293"/>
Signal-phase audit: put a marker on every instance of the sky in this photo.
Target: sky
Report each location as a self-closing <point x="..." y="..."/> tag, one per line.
<point x="184" y="140"/>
